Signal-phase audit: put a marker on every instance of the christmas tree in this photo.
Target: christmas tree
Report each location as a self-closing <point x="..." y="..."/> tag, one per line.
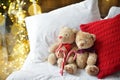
<point x="14" y="43"/>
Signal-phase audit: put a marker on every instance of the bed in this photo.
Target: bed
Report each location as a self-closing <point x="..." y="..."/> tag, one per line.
<point x="42" y="32"/>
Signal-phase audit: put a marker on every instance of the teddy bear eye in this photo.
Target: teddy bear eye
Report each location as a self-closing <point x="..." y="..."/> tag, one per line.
<point x="66" y="34"/>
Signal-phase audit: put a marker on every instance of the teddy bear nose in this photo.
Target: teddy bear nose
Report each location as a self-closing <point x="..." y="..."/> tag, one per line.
<point x="60" y="37"/>
<point x="82" y="44"/>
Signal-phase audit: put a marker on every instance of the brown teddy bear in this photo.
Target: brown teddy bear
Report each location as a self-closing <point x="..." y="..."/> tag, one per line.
<point x="60" y="49"/>
<point x="86" y="56"/>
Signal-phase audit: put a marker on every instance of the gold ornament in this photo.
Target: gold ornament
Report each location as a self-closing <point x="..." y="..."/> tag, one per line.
<point x="34" y="9"/>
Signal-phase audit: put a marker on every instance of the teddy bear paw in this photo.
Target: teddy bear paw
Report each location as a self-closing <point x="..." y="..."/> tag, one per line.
<point x="92" y="70"/>
<point x="71" y="68"/>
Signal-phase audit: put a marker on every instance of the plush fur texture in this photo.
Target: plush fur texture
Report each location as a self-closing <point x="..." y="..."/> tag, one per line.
<point x="60" y="49"/>
<point x="86" y="56"/>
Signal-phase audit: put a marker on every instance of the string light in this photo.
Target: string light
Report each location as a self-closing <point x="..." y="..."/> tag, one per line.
<point x="3" y="6"/>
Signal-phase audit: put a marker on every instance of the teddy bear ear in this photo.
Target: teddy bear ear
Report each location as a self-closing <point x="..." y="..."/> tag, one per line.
<point x="93" y="36"/>
<point x="64" y="27"/>
<point x="75" y="31"/>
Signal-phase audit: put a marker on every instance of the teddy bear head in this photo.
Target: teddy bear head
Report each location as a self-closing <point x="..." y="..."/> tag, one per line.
<point x="84" y="40"/>
<point x="66" y="35"/>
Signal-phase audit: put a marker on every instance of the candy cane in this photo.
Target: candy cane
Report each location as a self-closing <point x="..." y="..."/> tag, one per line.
<point x="71" y="52"/>
<point x="63" y="63"/>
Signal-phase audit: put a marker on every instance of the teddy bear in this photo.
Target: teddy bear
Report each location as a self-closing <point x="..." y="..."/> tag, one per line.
<point x="60" y="49"/>
<point x="86" y="56"/>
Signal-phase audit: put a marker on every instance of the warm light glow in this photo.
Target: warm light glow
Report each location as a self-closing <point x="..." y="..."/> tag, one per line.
<point x="2" y="4"/>
<point x="18" y="41"/>
<point x="4" y="7"/>
<point x="33" y="0"/>
<point x="107" y="0"/>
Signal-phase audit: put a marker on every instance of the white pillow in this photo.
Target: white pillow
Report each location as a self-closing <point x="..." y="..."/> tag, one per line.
<point x="113" y="12"/>
<point x="43" y="29"/>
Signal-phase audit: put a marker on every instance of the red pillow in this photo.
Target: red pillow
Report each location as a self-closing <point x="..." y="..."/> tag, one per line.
<point x="107" y="44"/>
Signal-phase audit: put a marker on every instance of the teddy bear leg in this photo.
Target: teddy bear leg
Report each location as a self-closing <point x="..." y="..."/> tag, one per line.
<point x="92" y="58"/>
<point x="71" y="68"/>
<point x="52" y="59"/>
<point x="92" y="70"/>
<point x="81" y="60"/>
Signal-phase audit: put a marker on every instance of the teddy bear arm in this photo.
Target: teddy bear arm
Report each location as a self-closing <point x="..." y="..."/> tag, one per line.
<point x="52" y="59"/>
<point x="53" y="47"/>
<point x="92" y="58"/>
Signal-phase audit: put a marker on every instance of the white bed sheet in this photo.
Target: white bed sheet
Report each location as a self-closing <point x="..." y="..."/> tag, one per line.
<point x="35" y="70"/>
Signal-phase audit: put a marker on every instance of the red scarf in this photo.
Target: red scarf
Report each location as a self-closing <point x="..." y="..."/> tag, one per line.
<point x="66" y="45"/>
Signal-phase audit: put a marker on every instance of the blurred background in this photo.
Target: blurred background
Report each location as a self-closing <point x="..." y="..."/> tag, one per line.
<point x="14" y="43"/>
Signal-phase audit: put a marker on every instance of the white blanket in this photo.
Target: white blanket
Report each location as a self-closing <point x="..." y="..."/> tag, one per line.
<point x="45" y="71"/>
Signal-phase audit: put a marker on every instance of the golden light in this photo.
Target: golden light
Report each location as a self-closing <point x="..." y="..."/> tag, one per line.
<point x="2" y="4"/>
<point x="33" y="0"/>
<point x="107" y="0"/>
<point x="12" y="58"/>
<point x="4" y="7"/>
